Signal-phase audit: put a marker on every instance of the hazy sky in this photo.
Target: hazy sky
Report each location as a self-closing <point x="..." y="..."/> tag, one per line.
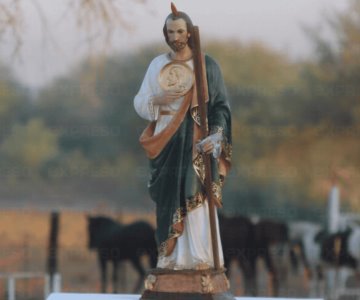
<point x="275" y="22"/>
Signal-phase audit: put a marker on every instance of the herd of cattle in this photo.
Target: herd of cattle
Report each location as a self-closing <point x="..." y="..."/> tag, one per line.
<point x="244" y="242"/>
<point x="284" y="247"/>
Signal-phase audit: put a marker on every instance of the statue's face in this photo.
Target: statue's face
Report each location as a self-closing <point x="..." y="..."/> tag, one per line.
<point x="177" y="34"/>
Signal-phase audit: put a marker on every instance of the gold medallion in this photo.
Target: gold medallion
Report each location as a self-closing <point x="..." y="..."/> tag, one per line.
<point x="176" y="78"/>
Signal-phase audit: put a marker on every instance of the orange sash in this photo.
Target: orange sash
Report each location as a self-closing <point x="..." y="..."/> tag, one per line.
<point x="154" y="144"/>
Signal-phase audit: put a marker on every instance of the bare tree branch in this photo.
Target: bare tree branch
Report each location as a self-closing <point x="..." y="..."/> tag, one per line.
<point x="97" y="19"/>
<point x="11" y="22"/>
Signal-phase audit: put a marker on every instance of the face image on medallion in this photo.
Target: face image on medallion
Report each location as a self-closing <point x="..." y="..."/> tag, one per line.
<point x="176" y="78"/>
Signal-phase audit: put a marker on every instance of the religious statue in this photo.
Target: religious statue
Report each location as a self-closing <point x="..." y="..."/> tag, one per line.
<point x="172" y="142"/>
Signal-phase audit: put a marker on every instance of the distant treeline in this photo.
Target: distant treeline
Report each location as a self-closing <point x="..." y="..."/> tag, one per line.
<point x="294" y="123"/>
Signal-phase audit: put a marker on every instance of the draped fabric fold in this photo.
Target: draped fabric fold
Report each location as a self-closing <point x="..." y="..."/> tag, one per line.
<point x="154" y="144"/>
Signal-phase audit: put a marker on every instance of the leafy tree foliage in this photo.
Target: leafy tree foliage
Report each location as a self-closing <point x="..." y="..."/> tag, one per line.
<point x="92" y="109"/>
<point x="14" y="103"/>
<point x="29" y="145"/>
<point x="330" y="83"/>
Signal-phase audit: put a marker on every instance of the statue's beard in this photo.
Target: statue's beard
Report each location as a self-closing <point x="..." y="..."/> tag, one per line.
<point x="178" y="45"/>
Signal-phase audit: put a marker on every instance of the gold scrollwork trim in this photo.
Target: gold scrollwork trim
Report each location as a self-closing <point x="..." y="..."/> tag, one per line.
<point x="195" y="201"/>
<point x="217" y="129"/>
<point x="195" y="115"/>
<point x="227" y="149"/>
<point x="207" y="284"/>
<point x="164" y="245"/>
<point x="199" y="167"/>
<point x="150" y="282"/>
<point x="216" y="189"/>
<point x="178" y="217"/>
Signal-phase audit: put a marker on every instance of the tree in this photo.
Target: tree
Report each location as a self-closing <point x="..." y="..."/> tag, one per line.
<point x="14" y="103"/>
<point x="92" y="107"/>
<point x="30" y="145"/>
<point x="330" y="83"/>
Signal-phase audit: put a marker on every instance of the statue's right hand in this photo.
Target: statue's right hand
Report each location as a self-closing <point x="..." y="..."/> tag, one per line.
<point x="165" y="98"/>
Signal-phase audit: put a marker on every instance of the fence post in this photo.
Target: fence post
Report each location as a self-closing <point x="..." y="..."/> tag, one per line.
<point x="53" y="248"/>
<point x="46" y="286"/>
<point x="56" y="283"/>
<point x="11" y="288"/>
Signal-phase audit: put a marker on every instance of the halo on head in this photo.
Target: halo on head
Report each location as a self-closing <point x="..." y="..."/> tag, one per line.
<point x="174" y="9"/>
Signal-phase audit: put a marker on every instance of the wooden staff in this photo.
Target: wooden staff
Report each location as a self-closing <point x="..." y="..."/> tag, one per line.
<point x="200" y="87"/>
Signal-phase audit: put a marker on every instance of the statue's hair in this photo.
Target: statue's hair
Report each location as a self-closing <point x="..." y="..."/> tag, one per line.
<point x="175" y="15"/>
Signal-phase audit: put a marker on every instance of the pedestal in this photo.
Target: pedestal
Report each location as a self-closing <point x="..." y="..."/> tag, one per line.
<point x="162" y="284"/>
<point x="78" y="296"/>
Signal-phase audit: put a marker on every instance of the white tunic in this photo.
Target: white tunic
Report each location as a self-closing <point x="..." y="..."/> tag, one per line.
<point x="151" y="87"/>
<point x="193" y="249"/>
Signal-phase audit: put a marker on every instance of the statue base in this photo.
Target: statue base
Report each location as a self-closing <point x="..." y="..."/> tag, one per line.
<point x="164" y="284"/>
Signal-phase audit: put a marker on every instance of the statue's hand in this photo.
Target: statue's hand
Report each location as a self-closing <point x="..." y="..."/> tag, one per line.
<point x="165" y="98"/>
<point x="211" y="144"/>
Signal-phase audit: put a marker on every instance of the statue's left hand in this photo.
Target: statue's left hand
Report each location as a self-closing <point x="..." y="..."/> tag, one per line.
<point x="211" y="144"/>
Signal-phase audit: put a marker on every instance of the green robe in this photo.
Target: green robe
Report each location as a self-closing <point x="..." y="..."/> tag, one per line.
<point x="174" y="184"/>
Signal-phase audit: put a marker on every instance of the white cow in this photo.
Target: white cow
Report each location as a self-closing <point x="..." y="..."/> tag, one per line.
<point x="307" y="250"/>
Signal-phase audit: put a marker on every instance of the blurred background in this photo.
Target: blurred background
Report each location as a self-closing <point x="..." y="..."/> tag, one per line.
<point x="69" y="134"/>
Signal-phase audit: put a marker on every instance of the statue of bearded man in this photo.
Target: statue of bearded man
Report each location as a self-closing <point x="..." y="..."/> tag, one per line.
<point x="171" y="142"/>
